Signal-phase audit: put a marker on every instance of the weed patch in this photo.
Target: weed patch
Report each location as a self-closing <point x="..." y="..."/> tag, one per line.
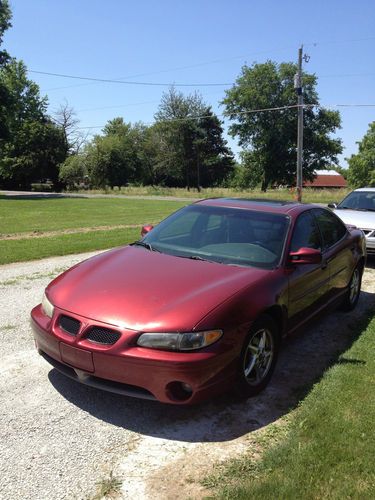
<point x="108" y="488"/>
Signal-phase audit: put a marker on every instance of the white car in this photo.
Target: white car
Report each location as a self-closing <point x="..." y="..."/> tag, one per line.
<point x="358" y="209"/>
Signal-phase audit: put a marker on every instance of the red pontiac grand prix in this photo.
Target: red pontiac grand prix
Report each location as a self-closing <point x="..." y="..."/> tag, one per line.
<point x="199" y="304"/>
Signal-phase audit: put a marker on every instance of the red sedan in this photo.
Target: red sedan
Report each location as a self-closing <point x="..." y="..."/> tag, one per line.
<point x="200" y="304"/>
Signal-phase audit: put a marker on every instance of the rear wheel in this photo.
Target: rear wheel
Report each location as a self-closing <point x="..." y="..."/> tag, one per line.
<point x="258" y="357"/>
<point x="354" y="290"/>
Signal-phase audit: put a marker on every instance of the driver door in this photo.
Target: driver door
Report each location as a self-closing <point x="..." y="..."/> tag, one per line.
<point x="308" y="283"/>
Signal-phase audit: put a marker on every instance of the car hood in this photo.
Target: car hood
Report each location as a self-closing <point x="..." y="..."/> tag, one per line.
<point x="138" y="289"/>
<point x="359" y="218"/>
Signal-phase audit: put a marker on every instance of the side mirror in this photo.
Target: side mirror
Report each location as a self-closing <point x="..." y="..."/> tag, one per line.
<point x="306" y="256"/>
<point x="146" y="229"/>
<point x="332" y="205"/>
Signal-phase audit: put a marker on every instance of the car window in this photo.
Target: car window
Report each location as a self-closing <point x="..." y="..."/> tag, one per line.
<point x="331" y="227"/>
<point x="214" y="222"/>
<point x="305" y="234"/>
<point x="222" y="234"/>
<point x="180" y="226"/>
<point x="359" y="200"/>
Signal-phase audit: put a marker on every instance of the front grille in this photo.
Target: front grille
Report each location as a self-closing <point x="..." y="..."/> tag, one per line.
<point x="69" y="325"/>
<point x="103" y="335"/>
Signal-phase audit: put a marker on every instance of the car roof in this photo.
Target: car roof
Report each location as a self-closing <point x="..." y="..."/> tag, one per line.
<point x="365" y="189"/>
<point x="263" y="205"/>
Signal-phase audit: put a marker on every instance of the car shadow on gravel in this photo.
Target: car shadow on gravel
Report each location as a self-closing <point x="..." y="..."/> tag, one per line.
<point x="302" y="362"/>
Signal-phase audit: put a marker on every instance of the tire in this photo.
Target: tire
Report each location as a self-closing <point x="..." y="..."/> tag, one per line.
<point x="354" y="290"/>
<point x="258" y="357"/>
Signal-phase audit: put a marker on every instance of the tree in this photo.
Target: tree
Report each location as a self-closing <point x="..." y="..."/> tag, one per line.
<point x="5" y="23"/>
<point x="362" y="165"/>
<point x="65" y="118"/>
<point x="269" y="138"/>
<point x="73" y="171"/>
<point x="33" y="146"/>
<point x="113" y="159"/>
<point x="192" y="150"/>
<point x="34" y="154"/>
<point x="5" y="18"/>
<point x="214" y="160"/>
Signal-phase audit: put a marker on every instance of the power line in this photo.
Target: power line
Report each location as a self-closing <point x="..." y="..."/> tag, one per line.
<point x="149" y="84"/>
<point x="249" y="111"/>
<point x="332" y="42"/>
<point x="214" y="61"/>
<point x="116" y="106"/>
<point x="201" y="117"/>
<point x="190" y="66"/>
<point x="346" y="75"/>
<point x="162" y="84"/>
<point x="351" y="105"/>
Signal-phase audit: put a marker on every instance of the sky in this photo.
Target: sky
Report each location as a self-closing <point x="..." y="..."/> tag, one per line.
<point x="193" y="42"/>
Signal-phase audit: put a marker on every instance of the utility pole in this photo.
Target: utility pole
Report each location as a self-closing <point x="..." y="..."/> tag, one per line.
<point x="298" y="87"/>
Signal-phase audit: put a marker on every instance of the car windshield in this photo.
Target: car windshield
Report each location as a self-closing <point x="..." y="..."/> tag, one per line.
<point x="359" y="200"/>
<point x="219" y="234"/>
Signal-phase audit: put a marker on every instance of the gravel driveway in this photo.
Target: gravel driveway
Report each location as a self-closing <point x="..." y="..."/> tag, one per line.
<point x="59" y="438"/>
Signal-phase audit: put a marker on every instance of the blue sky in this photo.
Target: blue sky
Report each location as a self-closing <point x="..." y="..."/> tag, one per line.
<point x="192" y="42"/>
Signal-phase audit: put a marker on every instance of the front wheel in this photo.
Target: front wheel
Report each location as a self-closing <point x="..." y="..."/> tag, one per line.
<point x="258" y="357"/>
<point x="354" y="289"/>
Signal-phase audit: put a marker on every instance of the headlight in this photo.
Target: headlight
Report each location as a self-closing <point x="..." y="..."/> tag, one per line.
<point x="47" y="307"/>
<point x="179" y="341"/>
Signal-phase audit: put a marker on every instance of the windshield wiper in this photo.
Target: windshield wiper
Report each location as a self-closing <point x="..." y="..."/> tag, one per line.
<point x="198" y="257"/>
<point x="357" y="209"/>
<point x="144" y="245"/>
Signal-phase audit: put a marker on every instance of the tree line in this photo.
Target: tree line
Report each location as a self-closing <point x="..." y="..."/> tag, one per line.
<point x="184" y="147"/>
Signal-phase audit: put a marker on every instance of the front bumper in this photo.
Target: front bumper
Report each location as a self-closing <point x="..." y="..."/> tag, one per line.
<point x="127" y="369"/>
<point x="370" y="241"/>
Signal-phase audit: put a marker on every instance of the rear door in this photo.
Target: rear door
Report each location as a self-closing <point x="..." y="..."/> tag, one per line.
<point x="337" y="250"/>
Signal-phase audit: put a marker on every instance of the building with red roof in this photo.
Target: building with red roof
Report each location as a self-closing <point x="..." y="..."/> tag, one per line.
<point x="327" y="179"/>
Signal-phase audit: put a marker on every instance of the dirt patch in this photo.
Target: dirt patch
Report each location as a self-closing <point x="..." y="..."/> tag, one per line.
<point x="48" y="234"/>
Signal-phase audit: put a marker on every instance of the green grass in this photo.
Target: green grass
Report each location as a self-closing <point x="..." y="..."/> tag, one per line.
<point x="38" y="214"/>
<point x="326" y="448"/>
<point x="64" y="244"/>
<point x="309" y="195"/>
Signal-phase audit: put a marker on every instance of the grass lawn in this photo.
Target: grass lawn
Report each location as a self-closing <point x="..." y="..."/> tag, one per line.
<point x="18" y="216"/>
<point x="37" y="248"/>
<point x="46" y="214"/>
<point x="326" y="448"/>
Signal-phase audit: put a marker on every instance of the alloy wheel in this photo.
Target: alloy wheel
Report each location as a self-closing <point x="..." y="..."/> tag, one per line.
<point x="354" y="286"/>
<point x="258" y="357"/>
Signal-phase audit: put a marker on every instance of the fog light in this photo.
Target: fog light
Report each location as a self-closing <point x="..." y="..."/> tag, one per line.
<point x="179" y="391"/>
